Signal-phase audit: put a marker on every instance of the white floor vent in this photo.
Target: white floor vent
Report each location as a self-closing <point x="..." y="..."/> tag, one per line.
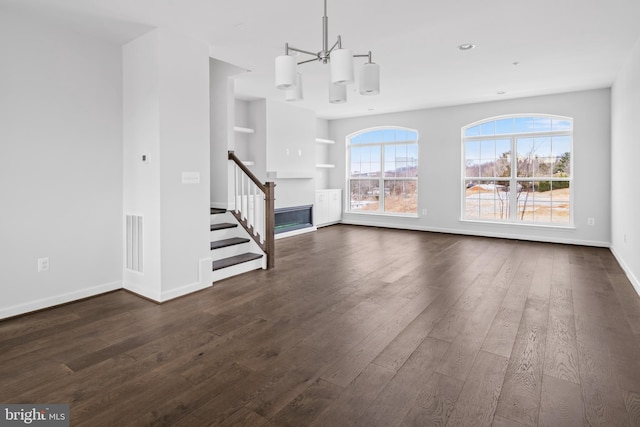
<point x="134" y="243"/>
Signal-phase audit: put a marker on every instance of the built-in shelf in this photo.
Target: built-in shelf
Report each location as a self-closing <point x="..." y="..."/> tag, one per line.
<point x="240" y="129"/>
<point x="324" y="141"/>
<point x="288" y="175"/>
<point x="248" y="162"/>
<point x="325" y="166"/>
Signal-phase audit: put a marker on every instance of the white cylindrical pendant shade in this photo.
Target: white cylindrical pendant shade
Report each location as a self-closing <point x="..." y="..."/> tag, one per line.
<point x="342" y="67"/>
<point x="337" y="93"/>
<point x="285" y="72"/>
<point x="295" y="93"/>
<point x="370" y="79"/>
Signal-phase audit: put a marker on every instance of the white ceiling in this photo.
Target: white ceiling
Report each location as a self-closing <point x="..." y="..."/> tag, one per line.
<point x="560" y="45"/>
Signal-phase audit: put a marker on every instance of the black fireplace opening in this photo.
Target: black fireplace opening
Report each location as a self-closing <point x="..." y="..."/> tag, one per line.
<point x="293" y="218"/>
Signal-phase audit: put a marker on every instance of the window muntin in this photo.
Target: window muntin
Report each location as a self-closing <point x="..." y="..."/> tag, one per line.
<point x="534" y="186"/>
<point x="383" y="171"/>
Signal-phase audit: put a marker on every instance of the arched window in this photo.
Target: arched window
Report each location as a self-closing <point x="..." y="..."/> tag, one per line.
<point x="382" y="171"/>
<point x="518" y="169"/>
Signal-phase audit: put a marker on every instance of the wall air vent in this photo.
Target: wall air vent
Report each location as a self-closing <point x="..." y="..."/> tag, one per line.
<point x="134" y="243"/>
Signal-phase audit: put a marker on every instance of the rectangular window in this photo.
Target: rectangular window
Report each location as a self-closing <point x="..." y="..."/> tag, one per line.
<point x="531" y="186"/>
<point x="383" y="171"/>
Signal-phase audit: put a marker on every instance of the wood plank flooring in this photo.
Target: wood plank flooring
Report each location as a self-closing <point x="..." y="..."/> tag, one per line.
<point x="355" y="326"/>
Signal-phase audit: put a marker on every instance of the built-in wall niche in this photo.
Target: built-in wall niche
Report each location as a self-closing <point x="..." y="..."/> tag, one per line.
<point x="243" y="133"/>
<point x="324" y="165"/>
<point x="241" y="129"/>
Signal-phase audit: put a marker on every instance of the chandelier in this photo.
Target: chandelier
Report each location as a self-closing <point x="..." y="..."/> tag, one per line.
<point x="289" y="79"/>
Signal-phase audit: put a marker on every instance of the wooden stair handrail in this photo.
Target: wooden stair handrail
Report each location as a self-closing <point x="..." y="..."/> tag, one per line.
<point x="268" y="188"/>
<point x="245" y="169"/>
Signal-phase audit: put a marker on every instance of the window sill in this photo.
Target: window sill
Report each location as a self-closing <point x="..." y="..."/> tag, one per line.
<point x="520" y="224"/>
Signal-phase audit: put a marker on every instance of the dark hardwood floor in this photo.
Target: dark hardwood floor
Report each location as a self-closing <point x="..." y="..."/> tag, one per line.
<point x="354" y="326"/>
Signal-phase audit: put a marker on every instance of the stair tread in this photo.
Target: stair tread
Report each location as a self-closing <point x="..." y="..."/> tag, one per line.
<point x="217" y="211"/>
<point x="228" y="242"/>
<point x="222" y="226"/>
<point x="235" y="260"/>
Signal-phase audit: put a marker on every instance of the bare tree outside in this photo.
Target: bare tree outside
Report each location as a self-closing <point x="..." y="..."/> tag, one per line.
<point x="384" y="171"/>
<point x="534" y="185"/>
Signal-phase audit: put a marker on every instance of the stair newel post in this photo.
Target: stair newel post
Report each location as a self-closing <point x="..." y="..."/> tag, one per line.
<point x="235" y="182"/>
<point x="270" y="222"/>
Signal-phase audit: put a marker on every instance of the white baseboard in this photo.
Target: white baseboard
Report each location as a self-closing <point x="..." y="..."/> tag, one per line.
<point x="204" y="281"/>
<point x="632" y="278"/>
<point x="326" y="224"/>
<point x="52" y="301"/>
<point x="185" y="290"/>
<point x="150" y="294"/>
<point x="295" y="232"/>
<point x="512" y="236"/>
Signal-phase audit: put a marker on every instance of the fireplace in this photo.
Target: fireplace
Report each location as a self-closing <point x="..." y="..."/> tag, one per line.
<point x="293" y="218"/>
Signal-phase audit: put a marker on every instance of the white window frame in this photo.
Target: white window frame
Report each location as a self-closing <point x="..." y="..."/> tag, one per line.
<point x="514" y="179"/>
<point x="382" y="178"/>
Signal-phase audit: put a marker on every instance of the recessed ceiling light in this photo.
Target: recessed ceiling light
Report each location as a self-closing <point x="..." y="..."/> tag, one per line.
<point x="501" y="92"/>
<point x="466" y="46"/>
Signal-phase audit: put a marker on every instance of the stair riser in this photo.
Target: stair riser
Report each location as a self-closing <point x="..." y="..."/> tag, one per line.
<point x="229" y="251"/>
<point x="239" y="269"/>
<point x="226" y="233"/>
<point x="218" y="218"/>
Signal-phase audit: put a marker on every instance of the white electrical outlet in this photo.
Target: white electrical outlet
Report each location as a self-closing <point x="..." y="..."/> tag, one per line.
<point x="43" y="264"/>
<point x="591" y="221"/>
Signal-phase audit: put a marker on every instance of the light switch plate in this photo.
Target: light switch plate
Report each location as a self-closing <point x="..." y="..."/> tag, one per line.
<point x="43" y="264"/>
<point x="191" y="177"/>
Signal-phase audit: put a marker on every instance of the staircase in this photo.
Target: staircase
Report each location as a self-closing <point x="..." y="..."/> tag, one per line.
<point x="243" y="239"/>
<point x="232" y="250"/>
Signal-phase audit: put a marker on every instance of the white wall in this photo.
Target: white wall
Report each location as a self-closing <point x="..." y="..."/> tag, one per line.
<point x="242" y="141"/>
<point x="625" y="155"/>
<point x="283" y="149"/>
<point x="184" y="147"/>
<point x="166" y="114"/>
<point x="439" y="165"/>
<point x="291" y="149"/>
<point x="222" y="111"/>
<point x="257" y="146"/>
<point x="282" y="128"/>
<point x="60" y="164"/>
<point x="141" y="133"/>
